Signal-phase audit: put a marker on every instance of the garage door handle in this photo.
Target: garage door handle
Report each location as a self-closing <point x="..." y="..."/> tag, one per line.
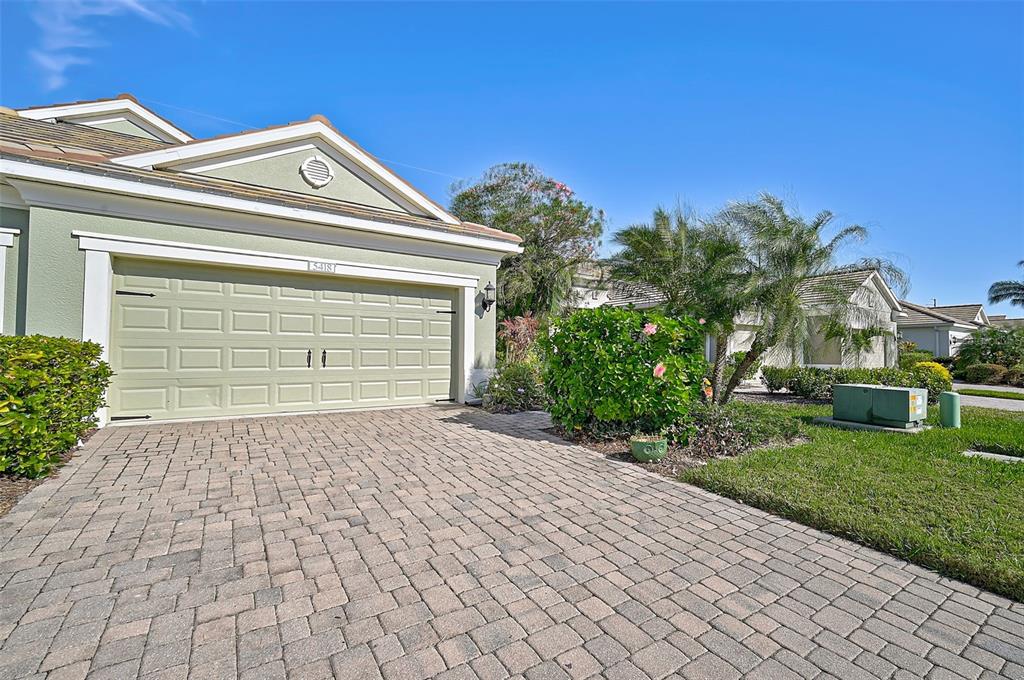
<point x="323" y="359"/>
<point x="309" y="358"/>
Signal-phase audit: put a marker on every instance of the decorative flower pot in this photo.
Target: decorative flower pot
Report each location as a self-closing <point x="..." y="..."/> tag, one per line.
<point x="648" y="448"/>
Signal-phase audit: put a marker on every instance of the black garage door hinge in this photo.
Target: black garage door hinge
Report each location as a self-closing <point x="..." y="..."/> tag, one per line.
<point x="445" y="311"/>
<point x="147" y="417"/>
<point x="134" y="292"/>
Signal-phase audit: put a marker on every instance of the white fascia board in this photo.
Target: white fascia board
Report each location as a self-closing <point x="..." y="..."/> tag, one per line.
<point x="113" y="185"/>
<point x="91" y="109"/>
<point x="238" y="257"/>
<point x="886" y="292"/>
<point x="162" y="158"/>
<point x="7" y="236"/>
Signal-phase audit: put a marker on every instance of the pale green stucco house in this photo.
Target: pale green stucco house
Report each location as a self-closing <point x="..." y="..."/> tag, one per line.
<point x="275" y="270"/>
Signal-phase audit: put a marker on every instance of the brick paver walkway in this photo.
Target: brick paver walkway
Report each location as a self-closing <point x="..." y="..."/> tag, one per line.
<point x="445" y="542"/>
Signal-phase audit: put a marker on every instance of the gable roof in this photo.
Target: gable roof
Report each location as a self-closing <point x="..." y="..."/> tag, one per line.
<point x="920" y="315"/>
<point x="97" y="109"/>
<point x="75" y="153"/>
<point x="317" y="127"/>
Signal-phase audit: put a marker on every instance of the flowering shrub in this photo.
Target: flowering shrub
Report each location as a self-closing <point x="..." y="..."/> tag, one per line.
<point x="617" y="371"/>
<point x="938" y="369"/>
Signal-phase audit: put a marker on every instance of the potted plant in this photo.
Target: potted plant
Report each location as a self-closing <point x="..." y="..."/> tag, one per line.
<point x="648" y="448"/>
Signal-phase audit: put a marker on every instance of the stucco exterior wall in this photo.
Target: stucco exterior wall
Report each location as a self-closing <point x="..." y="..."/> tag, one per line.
<point x="124" y="126"/>
<point x="53" y="300"/>
<point x="934" y="339"/>
<point x="283" y="172"/>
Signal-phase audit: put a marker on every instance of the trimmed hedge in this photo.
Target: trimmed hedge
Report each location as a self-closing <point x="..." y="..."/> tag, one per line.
<point x="615" y="371"/>
<point x="816" y="383"/>
<point x="49" y="390"/>
<point x="985" y="374"/>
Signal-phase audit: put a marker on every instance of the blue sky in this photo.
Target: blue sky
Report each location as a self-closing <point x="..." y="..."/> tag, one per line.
<point x="907" y="118"/>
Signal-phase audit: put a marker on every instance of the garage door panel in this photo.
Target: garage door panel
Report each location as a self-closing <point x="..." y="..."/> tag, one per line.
<point x="334" y="324"/>
<point x="194" y="319"/>
<point x="373" y="390"/>
<point x="143" y="318"/>
<point x="297" y="323"/>
<point x="247" y="358"/>
<point x="250" y="322"/>
<point x="204" y="288"/>
<point x="374" y="327"/>
<point x="134" y="358"/>
<point x="200" y="358"/>
<point x="295" y="394"/>
<point x="220" y="342"/>
<point x="200" y="397"/>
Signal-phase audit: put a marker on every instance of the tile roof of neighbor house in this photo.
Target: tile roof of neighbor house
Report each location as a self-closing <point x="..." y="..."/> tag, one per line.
<point x="86" y="149"/>
<point x="920" y="315"/>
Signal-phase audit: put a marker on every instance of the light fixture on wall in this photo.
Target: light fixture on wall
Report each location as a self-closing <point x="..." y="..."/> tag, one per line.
<point x="488" y="300"/>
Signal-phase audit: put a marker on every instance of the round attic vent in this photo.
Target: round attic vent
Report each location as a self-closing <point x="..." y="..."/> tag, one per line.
<point x="316" y="172"/>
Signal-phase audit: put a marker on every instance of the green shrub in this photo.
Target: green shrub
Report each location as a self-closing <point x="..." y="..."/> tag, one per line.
<point x="1003" y="346"/>
<point x="776" y="378"/>
<point x="1015" y="376"/>
<point x="604" y="374"/>
<point x="985" y="374"/>
<point x="816" y="383"/>
<point x="909" y="359"/>
<point x="49" y="390"/>
<point x="516" y="386"/>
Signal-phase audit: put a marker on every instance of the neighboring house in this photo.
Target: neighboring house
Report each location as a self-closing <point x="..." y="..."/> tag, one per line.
<point x="1002" y="321"/>
<point x="940" y="330"/>
<point x="589" y="288"/>
<point x="276" y="270"/>
<point x="872" y="305"/>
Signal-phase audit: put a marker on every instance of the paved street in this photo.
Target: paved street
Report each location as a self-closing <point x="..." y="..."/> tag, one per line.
<point x="450" y="543"/>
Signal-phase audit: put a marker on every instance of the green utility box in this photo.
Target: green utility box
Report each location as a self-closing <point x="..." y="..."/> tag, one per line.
<point x="903" y="407"/>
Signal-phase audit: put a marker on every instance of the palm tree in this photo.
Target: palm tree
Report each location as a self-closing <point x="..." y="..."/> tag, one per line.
<point x="1001" y="291"/>
<point x="691" y="267"/>
<point x="784" y="252"/>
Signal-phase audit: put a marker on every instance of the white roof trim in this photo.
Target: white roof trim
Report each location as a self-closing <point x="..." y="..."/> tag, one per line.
<point x="176" y="250"/>
<point x="150" y="121"/>
<point x="61" y="176"/>
<point x="201" y="150"/>
<point x="883" y="287"/>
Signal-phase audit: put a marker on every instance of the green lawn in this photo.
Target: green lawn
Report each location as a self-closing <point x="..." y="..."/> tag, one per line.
<point x="998" y="394"/>
<point x="914" y="496"/>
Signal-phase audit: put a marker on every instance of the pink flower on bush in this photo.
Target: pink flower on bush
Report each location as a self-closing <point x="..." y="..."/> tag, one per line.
<point x="702" y="321"/>
<point x="650" y="328"/>
<point x="659" y="370"/>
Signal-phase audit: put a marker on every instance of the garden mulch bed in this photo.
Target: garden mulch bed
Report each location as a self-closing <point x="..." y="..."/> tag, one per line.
<point x="763" y="397"/>
<point x="672" y="465"/>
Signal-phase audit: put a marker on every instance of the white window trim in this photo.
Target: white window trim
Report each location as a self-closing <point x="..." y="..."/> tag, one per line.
<point x="108" y="106"/>
<point x="253" y="140"/>
<point x="99" y="276"/>
<point x="47" y="174"/>
<point x="6" y="241"/>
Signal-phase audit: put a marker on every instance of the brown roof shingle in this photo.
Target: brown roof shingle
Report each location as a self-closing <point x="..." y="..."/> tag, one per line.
<point x="85" y="149"/>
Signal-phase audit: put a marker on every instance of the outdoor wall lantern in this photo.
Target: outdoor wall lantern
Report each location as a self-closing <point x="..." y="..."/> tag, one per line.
<point x="488" y="300"/>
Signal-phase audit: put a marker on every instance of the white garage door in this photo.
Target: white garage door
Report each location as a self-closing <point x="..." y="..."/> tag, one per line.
<point x="191" y="341"/>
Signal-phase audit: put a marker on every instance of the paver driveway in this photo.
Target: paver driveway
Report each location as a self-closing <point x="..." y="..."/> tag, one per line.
<point x="452" y="543"/>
